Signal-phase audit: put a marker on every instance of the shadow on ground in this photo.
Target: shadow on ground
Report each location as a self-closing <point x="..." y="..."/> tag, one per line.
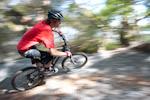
<point x="107" y="76"/>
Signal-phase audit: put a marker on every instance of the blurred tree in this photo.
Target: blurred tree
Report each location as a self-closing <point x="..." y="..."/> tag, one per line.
<point x="128" y="23"/>
<point x="83" y="20"/>
<point x="118" y="8"/>
<point x="89" y="24"/>
<point x="26" y="13"/>
<point x="14" y="19"/>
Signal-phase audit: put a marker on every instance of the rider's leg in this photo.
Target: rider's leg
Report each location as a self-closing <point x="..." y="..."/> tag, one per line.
<point x="46" y="58"/>
<point x="50" y="69"/>
<point x="48" y="64"/>
<point x="35" y="56"/>
<point x="39" y="58"/>
<point x="38" y="64"/>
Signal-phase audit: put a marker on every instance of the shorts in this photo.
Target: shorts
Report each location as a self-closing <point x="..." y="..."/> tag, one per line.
<point x="37" y="56"/>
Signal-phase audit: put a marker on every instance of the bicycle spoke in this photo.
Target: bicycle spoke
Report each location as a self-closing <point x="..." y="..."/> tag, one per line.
<point x="27" y="79"/>
<point x="76" y="61"/>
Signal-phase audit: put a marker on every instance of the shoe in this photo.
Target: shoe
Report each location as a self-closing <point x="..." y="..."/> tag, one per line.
<point x="50" y="70"/>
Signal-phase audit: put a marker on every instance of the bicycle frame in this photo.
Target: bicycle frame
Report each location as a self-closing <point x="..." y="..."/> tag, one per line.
<point x="65" y="48"/>
<point x="37" y="72"/>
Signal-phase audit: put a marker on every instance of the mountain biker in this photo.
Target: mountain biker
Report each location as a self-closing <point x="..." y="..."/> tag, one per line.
<point x="42" y="32"/>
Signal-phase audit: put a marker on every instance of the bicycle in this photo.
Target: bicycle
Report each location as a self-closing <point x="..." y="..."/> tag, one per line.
<point x="32" y="76"/>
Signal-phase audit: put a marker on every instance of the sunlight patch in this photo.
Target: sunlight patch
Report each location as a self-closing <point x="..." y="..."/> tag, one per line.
<point x="106" y="55"/>
<point x="147" y="59"/>
<point x="3" y="74"/>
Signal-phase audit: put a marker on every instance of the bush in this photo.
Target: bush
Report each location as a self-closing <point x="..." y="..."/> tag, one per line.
<point x="89" y="46"/>
<point x="112" y="46"/>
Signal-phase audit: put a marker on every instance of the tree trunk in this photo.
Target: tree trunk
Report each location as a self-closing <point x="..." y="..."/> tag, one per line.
<point x="123" y="40"/>
<point x="123" y="31"/>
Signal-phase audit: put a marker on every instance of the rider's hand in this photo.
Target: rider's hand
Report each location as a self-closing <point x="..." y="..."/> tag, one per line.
<point x="68" y="53"/>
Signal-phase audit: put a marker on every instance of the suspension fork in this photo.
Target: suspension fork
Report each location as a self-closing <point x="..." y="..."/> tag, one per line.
<point x="54" y="61"/>
<point x="72" y="60"/>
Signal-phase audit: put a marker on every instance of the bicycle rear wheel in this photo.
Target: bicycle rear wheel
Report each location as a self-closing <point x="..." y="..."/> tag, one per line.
<point x="79" y="60"/>
<point x="27" y="78"/>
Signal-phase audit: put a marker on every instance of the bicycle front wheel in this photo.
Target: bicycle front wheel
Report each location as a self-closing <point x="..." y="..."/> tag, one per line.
<point x="78" y="60"/>
<point x="27" y="78"/>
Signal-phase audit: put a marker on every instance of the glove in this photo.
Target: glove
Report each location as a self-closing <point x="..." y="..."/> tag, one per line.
<point x="68" y="53"/>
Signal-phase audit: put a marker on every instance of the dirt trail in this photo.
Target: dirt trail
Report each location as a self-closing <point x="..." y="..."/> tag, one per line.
<point x="118" y="75"/>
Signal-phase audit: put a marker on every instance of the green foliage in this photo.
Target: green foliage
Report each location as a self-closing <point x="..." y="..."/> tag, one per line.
<point x="12" y="12"/>
<point x="85" y="21"/>
<point x="5" y="34"/>
<point x="113" y="46"/>
<point x="89" y="46"/>
<point x="116" y="7"/>
<point x="146" y="38"/>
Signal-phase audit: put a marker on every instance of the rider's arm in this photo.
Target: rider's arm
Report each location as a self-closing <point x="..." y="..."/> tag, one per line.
<point x="57" y="53"/>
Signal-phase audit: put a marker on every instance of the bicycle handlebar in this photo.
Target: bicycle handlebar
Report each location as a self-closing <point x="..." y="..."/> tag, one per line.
<point x="65" y="46"/>
<point x="59" y="32"/>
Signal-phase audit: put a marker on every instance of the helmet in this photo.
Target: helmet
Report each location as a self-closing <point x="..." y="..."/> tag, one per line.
<point x="55" y="14"/>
